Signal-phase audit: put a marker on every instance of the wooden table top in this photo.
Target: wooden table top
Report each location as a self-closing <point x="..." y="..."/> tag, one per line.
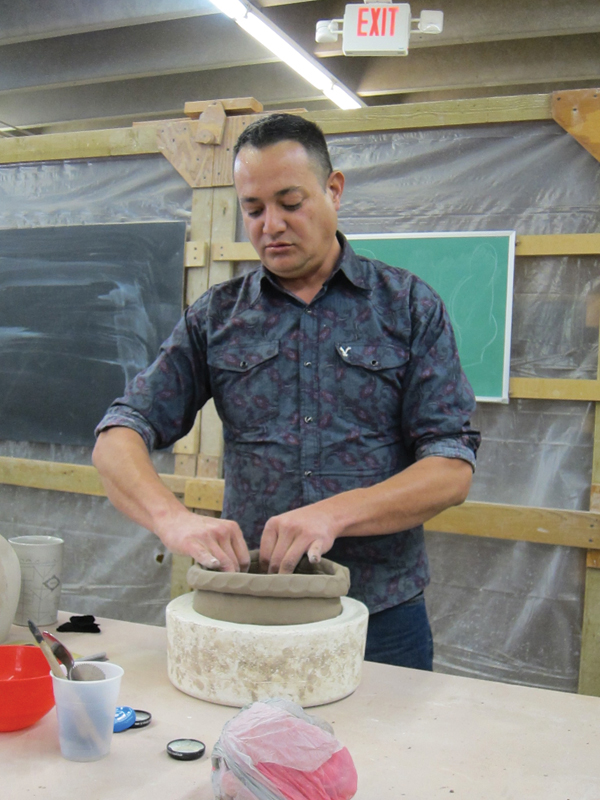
<point x="413" y="735"/>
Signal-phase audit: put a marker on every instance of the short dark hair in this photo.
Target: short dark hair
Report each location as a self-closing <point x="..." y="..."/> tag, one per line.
<point x="287" y="127"/>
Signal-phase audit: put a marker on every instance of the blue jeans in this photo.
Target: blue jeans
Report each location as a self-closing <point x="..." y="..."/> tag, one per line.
<point x="401" y="636"/>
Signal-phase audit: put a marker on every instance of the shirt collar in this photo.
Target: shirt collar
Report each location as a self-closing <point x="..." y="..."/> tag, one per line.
<point x="348" y="263"/>
<point x="351" y="265"/>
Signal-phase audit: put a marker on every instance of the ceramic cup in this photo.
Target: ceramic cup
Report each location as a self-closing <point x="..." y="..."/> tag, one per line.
<point x="86" y="713"/>
<point x="10" y="587"/>
<point x="41" y="560"/>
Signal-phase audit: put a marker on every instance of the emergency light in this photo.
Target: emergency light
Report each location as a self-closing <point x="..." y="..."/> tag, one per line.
<point x="377" y="29"/>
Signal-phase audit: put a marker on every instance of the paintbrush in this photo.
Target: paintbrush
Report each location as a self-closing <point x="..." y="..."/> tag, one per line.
<point x="45" y="648"/>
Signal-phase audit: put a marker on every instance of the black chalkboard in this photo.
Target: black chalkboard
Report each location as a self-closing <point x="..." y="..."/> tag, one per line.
<point x="82" y="309"/>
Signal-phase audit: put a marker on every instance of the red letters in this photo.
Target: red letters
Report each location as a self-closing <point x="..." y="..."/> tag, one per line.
<point x="382" y="24"/>
<point x="393" y="11"/>
<point x="374" y="21"/>
<point x="362" y="20"/>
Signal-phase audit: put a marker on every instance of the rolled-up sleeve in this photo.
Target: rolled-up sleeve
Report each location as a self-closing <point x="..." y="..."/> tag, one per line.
<point x="438" y="399"/>
<point x="162" y="401"/>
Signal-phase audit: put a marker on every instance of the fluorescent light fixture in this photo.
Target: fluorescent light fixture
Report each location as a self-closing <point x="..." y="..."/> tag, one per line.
<point x="263" y="30"/>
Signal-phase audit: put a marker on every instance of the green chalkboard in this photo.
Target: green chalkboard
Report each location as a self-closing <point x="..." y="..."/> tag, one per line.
<point x="473" y="274"/>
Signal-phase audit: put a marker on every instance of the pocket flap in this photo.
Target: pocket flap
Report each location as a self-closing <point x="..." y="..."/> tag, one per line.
<point x="242" y="357"/>
<point x="372" y="356"/>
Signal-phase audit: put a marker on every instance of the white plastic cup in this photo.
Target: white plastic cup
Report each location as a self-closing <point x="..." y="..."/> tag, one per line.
<point x="41" y="559"/>
<point x="86" y="713"/>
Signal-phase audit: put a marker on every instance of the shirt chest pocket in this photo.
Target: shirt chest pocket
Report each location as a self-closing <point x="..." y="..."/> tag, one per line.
<point x="369" y="383"/>
<point x="245" y="383"/>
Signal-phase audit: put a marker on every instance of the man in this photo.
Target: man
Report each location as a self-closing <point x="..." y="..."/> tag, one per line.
<point x="345" y="410"/>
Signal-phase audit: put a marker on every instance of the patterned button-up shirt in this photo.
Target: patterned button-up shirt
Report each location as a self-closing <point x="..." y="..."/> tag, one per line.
<point x="315" y="399"/>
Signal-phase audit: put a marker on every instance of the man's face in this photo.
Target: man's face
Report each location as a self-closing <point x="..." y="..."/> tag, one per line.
<point x="289" y="209"/>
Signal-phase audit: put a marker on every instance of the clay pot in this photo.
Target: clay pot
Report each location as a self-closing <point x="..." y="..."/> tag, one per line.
<point x="311" y="594"/>
<point x="10" y="587"/>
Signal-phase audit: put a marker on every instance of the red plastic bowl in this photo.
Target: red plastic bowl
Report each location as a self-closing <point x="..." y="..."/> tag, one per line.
<point x="25" y="686"/>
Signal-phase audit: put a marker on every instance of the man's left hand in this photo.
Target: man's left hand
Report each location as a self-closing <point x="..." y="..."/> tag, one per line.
<point x="287" y="537"/>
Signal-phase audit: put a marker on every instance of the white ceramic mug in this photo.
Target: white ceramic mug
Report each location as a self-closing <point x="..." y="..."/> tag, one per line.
<point x="41" y="560"/>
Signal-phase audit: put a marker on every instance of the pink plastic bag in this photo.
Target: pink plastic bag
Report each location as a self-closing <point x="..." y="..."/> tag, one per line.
<point x="273" y="750"/>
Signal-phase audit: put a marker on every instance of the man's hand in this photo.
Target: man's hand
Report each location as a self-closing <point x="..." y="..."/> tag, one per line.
<point x="133" y="486"/>
<point x="213" y="543"/>
<point x="287" y="537"/>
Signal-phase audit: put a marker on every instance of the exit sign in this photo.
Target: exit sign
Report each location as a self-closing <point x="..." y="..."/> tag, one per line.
<point x="379" y="29"/>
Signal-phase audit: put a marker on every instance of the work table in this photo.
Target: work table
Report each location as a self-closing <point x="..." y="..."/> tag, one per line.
<point x="413" y="735"/>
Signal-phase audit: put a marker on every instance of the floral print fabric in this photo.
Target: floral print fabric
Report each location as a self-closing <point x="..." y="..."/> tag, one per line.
<point x="315" y="400"/>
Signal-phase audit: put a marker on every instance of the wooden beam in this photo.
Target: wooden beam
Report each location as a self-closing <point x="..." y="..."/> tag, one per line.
<point x="521" y="523"/>
<point x="84" y="479"/>
<point x="142" y="139"/>
<point x="559" y="244"/>
<point x="59" y="476"/>
<point x="555" y="389"/>
<point x="50" y="475"/>
<point x="79" y="144"/>
<point x="518" y="523"/>
<point x="438" y="114"/>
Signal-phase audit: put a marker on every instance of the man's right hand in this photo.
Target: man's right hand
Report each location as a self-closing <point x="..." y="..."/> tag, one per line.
<point x="214" y="543"/>
<point x="133" y="486"/>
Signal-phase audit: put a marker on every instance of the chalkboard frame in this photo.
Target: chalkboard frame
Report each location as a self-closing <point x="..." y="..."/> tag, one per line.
<point x="504" y="245"/>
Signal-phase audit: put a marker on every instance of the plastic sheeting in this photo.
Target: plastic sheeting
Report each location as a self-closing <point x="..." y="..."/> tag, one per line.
<point x="502" y="610"/>
<point x="112" y="567"/>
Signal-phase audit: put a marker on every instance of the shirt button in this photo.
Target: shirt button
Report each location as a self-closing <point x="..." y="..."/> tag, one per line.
<point x="308" y="419"/>
<point x="308" y="363"/>
<point x="307" y="473"/>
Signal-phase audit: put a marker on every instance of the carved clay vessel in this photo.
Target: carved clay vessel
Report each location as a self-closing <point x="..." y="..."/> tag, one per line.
<point x="10" y="587"/>
<point x="311" y="594"/>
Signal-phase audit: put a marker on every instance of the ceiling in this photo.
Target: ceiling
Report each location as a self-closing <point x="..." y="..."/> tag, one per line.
<point x="76" y="64"/>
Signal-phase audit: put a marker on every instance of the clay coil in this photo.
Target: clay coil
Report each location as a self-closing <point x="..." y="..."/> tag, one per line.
<point x="311" y="594"/>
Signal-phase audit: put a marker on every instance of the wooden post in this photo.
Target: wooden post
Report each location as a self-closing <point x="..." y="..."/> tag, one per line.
<point x="589" y="663"/>
<point x="186" y="449"/>
<point x="214" y="211"/>
<point x="210" y="462"/>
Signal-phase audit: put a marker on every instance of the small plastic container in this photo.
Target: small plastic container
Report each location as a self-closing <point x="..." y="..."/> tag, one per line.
<point x="86" y="714"/>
